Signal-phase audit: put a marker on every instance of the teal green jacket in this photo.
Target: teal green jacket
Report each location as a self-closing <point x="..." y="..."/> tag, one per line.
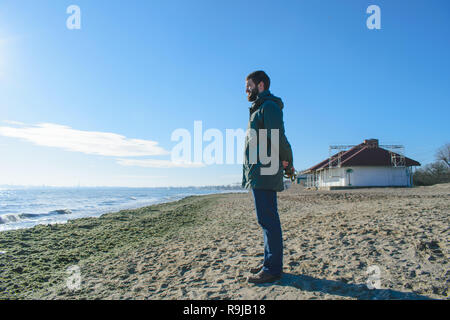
<point x="266" y="112"/>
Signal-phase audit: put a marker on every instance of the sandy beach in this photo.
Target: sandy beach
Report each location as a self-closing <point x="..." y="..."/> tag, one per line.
<point x="202" y="247"/>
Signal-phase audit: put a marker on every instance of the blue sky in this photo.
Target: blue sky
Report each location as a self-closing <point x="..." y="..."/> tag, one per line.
<point x="77" y="105"/>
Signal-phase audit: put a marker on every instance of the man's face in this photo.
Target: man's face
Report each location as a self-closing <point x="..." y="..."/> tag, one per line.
<point x="251" y="90"/>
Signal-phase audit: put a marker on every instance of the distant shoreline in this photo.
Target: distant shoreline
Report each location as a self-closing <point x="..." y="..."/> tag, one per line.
<point x="224" y="187"/>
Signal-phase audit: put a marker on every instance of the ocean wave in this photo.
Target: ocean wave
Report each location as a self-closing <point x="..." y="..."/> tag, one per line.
<point x="9" y="218"/>
<point x="108" y="202"/>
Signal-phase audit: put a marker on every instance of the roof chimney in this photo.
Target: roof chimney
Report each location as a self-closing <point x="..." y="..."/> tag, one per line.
<point x="371" y="143"/>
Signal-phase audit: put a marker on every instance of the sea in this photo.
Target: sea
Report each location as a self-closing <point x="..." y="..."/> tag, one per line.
<point x="26" y="207"/>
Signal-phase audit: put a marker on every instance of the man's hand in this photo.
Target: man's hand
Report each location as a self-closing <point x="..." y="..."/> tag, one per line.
<point x="285" y="166"/>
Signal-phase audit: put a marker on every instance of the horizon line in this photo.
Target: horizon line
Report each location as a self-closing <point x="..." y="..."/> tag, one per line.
<point x="117" y="186"/>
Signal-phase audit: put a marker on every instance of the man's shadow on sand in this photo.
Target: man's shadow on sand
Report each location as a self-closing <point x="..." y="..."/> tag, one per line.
<point x="338" y="288"/>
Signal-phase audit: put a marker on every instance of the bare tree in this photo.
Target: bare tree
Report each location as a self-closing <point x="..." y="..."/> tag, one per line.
<point x="443" y="154"/>
<point x="433" y="173"/>
<point x="436" y="172"/>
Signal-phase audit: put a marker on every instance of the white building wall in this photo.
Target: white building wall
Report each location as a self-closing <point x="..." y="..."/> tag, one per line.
<point x="332" y="178"/>
<point x="365" y="176"/>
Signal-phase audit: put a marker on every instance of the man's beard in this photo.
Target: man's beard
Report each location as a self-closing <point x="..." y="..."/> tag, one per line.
<point x="253" y="95"/>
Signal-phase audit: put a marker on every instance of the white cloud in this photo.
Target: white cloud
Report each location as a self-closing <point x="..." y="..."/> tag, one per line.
<point x="152" y="163"/>
<point x="14" y="122"/>
<point x="88" y="142"/>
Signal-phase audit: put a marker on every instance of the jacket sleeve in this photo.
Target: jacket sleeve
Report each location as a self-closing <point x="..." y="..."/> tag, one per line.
<point x="273" y="119"/>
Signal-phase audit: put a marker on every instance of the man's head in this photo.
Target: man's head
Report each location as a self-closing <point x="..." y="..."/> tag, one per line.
<point x="256" y="82"/>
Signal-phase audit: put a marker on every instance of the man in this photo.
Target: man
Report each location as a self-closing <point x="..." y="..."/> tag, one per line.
<point x="266" y="113"/>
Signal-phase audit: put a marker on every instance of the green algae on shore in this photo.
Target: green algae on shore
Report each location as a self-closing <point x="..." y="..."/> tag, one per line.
<point x="37" y="258"/>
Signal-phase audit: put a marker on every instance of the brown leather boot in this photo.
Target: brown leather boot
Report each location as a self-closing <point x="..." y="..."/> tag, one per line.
<point x="255" y="270"/>
<point x="264" y="277"/>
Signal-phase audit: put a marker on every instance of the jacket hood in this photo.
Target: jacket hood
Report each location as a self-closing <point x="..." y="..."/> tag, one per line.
<point x="264" y="96"/>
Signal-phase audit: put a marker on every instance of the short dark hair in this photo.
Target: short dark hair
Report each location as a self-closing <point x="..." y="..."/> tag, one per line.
<point x="259" y="76"/>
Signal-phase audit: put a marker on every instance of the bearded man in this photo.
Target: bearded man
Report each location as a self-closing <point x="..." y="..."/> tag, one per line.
<point x="266" y="124"/>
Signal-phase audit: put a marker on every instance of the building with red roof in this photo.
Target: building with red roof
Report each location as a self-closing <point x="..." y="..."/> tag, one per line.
<point x="365" y="165"/>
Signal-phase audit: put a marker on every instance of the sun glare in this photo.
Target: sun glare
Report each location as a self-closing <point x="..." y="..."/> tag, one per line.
<point x="6" y="55"/>
<point x="2" y="57"/>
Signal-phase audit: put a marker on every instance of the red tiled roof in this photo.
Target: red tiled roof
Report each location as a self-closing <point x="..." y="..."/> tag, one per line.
<point x="367" y="153"/>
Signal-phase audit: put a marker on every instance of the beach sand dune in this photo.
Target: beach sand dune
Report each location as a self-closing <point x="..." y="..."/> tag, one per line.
<point x="336" y="245"/>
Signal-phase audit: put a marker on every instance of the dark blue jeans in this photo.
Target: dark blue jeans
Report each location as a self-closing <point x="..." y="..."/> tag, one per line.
<point x="268" y="219"/>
